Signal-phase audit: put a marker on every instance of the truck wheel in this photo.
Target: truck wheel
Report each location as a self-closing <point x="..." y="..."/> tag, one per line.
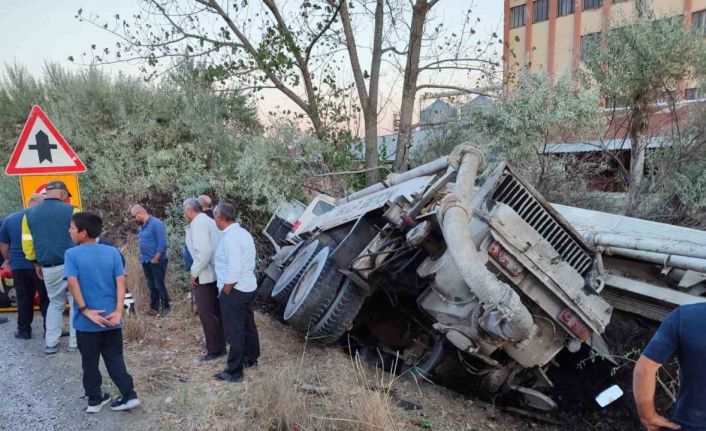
<point x="340" y="315"/>
<point x="291" y="274"/>
<point x="430" y="360"/>
<point x="314" y="292"/>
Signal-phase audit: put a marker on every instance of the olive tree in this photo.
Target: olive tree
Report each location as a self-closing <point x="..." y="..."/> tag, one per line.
<point x="637" y="65"/>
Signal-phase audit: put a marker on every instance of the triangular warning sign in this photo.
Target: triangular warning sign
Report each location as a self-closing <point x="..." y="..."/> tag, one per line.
<point x="42" y="150"/>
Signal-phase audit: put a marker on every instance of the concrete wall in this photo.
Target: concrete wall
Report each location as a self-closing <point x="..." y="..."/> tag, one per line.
<point x="564" y="45"/>
<point x="540" y="45"/>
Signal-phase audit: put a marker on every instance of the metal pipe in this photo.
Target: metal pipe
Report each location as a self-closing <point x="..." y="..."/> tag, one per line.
<point x="681" y="248"/>
<point x="504" y="315"/>
<point x="426" y="169"/>
<point x="683" y="262"/>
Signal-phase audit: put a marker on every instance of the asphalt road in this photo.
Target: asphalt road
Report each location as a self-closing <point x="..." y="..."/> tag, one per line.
<point x="44" y="392"/>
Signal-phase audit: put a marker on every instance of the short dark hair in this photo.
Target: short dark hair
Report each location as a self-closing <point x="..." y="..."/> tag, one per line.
<point x="194" y="204"/>
<point x="89" y="221"/>
<point x="225" y="210"/>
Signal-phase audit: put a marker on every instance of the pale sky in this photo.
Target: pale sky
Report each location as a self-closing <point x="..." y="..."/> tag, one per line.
<point x="35" y="31"/>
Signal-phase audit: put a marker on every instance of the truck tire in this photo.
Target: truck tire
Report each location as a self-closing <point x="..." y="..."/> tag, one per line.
<point x="291" y="274"/>
<point x="426" y="364"/>
<point x="314" y="292"/>
<point x="340" y="315"/>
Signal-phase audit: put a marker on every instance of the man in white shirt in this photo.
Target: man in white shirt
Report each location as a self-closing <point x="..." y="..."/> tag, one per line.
<point x="202" y="236"/>
<point x="235" y="275"/>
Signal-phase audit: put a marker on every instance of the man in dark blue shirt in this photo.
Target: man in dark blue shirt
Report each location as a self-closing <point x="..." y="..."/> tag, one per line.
<point x="153" y="256"/>
<point x="24" y="276"/>
<point x="683" y="333"/>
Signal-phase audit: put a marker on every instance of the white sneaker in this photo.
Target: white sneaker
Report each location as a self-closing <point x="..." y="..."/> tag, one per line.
<point x="120" y="404"/>
<point x="105" y="399"/>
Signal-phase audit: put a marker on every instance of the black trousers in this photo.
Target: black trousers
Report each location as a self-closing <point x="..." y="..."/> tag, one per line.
<point x="240" y="329"/>
<point x="108" y="344"/>
<point x="26" y="285"/>
<point x="206" y="296"/>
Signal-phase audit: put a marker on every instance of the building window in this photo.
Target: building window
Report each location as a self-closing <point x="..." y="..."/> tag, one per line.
<point x="541" y="10"/>
<point x="693" y="94"/>
<point x="517" y="15"/>
<point x="566" y="7"/>
<point x="589" y="43"/>
<point x="698" y="22"/>
<point x="592" y="4"/>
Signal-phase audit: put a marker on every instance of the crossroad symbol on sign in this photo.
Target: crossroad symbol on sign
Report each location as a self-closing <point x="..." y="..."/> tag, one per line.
<point x="42" y="146"/>
<point x="42" y="150"/>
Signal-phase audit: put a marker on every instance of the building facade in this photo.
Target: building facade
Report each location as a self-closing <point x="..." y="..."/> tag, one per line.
<point x="546" y="36"/>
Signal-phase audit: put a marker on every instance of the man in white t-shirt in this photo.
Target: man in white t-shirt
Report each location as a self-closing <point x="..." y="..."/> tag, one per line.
<point x="235" y="277"/>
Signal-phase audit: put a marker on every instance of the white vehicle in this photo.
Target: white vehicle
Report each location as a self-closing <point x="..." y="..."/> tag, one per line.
<point x="290" y="219"/>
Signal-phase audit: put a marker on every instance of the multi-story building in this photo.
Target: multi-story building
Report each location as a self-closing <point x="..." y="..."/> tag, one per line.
<point x="547" y="36"/>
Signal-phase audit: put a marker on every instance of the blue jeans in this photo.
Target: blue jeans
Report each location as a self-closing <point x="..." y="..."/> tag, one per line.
<point x="155" y="273"/>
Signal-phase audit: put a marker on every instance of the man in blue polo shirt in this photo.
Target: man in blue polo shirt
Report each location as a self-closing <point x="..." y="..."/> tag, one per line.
<point x="153" y="256"/>
<point x="24" y="276"/>
<point x="683" y="333"/>
<point x="45" y="238"/>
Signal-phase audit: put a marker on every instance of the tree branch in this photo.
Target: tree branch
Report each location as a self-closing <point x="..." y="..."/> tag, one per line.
<point x="353" y="54"/>
<point x="360" y="171"/>
<point x="323" y="31"/>
<point x="247" y="45"/>
<point x="456" y="60"/>
<point x="395" y="50"/>
<point x="181" y="30"/>
<point x="479" y="92"/>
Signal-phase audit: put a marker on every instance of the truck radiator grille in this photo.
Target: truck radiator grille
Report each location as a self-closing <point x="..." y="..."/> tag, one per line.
<point x="512" y="193"/>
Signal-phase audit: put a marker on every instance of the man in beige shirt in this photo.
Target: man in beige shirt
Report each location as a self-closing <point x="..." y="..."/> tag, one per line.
<point x="202" y="237"/>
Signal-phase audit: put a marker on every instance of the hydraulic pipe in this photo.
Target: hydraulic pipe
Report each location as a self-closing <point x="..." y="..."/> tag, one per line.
<point x="426" y="169"/>
<point x="683" y="262"/>
<point x="681" y="248"/>
<point x="504" y="315"/>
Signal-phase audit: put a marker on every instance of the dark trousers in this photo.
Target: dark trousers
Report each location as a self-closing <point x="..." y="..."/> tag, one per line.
<point x="108" y="344"/>
<point x="206" y="297"/>
<point x="240" y="330"/>
<point x="26" y="285"/>
<point x="155" y="273"/>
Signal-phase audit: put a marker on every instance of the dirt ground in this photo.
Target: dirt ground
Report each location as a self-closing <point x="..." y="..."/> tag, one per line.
<point x="44" y="392"/>
<point x="295" y="387"/>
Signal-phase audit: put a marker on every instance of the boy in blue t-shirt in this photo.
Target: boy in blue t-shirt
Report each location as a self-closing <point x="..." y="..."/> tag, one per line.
<point x="96" y="278"/>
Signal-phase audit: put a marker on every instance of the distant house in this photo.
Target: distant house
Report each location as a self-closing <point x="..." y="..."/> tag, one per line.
<point x="387" y="144"/>
<point x="479" y="101"/>
<point x="431" y="120"/>
<point x="435" y="114"/>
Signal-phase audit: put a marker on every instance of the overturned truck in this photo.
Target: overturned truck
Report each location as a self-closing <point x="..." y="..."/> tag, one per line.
<point x="491" y="277"/>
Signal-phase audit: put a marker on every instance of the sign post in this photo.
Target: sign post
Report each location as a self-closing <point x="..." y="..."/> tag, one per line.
<point x="42" y="155"/>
